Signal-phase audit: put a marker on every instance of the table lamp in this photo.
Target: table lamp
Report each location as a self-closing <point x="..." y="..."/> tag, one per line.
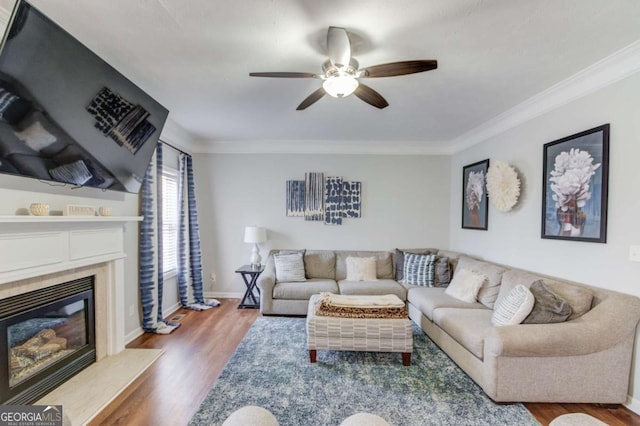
<point x="255" y="235"/>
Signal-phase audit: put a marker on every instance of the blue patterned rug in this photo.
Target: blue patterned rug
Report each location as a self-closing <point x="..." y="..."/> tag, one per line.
<point x="271" y="369"/>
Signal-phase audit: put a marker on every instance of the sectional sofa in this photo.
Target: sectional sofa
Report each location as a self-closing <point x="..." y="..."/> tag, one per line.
<point x="585" y="359"/>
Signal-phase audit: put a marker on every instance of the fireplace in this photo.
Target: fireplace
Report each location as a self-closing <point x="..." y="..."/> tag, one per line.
<point x="49" y="334"/>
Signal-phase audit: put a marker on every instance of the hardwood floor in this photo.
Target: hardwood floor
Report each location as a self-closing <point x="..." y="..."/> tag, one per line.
<point x="171" y="391"/>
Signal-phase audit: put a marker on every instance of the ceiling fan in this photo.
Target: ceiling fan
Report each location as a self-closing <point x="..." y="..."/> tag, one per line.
<point x="341" y="73"/>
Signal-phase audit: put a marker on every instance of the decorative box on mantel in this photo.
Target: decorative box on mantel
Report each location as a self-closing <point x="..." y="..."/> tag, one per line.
<point x="35" y="250"/>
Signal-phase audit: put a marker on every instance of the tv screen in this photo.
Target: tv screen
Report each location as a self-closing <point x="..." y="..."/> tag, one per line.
<point x="68" y="116"/>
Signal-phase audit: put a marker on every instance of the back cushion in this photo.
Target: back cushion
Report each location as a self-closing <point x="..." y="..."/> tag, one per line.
<point x="320" y="264"/>
<point x="488" y="294"/>
<point x="579" y="298"/>
<point x="384" y="263"/>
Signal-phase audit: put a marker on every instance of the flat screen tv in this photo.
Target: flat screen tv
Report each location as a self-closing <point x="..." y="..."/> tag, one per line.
<point x="68" y="116"/>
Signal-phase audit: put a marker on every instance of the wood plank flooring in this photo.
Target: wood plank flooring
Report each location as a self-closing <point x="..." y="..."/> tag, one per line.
<point x="171" y="390"/>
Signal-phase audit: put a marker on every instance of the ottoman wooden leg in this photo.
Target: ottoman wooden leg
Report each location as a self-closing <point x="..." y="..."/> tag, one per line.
<point x="312" y="355"/>
<point x="406" y="359"/>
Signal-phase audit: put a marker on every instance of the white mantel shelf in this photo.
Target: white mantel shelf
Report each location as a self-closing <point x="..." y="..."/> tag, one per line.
<point x="67" y="219"/>
<point x="32" y="246"/>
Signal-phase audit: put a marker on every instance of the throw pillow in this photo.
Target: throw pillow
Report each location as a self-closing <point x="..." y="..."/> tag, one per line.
<point x="419" y="269"/>
<point x="76" y="173"/>
<point x="514" y="308"/>
<point x="289" y="267"/>
<point x="442" y="272"/>
<point x="36" y="137"/>
<point x="12" y="107"/>
<point x="465" y="285"/>
<point x="548" y="307"/>
<point x="579" y="298"/>
<point x="400" y="253"/>
<point x="361" y="269"/>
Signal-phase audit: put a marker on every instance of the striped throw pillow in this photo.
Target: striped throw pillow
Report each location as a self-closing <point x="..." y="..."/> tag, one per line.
<point x="419" y="269"/>
<point x="514" y="308"/>
<point x="289" y="267"/>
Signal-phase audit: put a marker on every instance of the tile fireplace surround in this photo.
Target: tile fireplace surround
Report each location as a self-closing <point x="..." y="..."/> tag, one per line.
<point x="39" y="252"/>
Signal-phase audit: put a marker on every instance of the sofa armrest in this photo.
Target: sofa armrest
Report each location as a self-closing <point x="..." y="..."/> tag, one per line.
<point x="610" y="322"/>
<point x="267" y="280"/>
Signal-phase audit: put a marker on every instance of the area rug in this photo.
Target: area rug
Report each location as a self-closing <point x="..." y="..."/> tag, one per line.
<point x="271" y="369"/>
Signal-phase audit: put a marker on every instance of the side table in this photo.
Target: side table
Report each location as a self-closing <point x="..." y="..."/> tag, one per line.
<point x="250" y="276"/>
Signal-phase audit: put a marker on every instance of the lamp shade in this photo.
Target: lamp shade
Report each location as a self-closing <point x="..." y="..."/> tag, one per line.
<point x="255" y="234"/>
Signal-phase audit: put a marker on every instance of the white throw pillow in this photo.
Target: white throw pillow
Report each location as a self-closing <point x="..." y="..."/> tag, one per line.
<point x="36" y="136"/>
<point x="361" y="269"/>
<point x="465" y="285"/>
<point x="289" y="267"/>
<point x="514" y="308"/>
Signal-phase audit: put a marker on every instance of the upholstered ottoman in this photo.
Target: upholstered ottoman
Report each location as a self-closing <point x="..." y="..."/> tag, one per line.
<point x="358" y="334"/>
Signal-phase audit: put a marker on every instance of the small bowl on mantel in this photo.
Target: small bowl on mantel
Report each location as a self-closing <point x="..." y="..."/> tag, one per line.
<point x="39" y="209"/>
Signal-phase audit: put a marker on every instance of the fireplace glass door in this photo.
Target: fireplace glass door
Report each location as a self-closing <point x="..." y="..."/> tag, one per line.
<point x="36" y="343"/>
<point x="49" y="337"/>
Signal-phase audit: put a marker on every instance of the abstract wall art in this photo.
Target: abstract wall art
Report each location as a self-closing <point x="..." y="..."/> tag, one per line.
<point x="330" y="200"/>
<point x="295" y="198"/>
<point x="314" y="196"/>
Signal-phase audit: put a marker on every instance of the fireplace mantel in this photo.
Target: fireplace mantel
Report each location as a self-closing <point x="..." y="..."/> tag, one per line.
<point x="31" y="246"/>
<point x="37" y="249"/>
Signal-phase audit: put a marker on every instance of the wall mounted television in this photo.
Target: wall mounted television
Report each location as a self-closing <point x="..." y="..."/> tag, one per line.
<point x="68" y="116"/>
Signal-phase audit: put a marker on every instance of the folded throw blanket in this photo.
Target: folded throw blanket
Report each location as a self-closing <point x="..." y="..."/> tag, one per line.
<point x="325" y="307"/>
<point x="363" y="301"/>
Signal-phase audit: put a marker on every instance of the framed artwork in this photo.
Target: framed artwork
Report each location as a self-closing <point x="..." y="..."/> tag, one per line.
<point x="575" y="179"/>
<point x="475" y="206"/>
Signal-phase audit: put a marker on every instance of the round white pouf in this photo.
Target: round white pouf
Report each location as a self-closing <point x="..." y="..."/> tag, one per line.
<point x="576" y="419"/>
<point x="251" y="415"/>
<point x="364" y="419"/>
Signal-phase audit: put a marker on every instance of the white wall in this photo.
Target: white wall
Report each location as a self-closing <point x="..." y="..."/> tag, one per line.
<point x="514" y="238"/>
<point x="405" y="203"/>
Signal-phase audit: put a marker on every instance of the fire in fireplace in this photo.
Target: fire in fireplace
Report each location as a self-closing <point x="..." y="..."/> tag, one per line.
<point x="49" y="336"/>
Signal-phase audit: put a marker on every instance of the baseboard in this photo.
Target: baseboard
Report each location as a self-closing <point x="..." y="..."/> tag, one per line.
<point x="222" y="295"/>
<point x="632" y="404"/>
<point x="131" y="336"/>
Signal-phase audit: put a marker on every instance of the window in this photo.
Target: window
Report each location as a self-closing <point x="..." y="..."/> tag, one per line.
<point x="170" y="217"/>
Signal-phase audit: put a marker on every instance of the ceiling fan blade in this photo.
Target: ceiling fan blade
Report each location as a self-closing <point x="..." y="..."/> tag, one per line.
<point x="284" y="74"/>
<point x="311" y="99"/>
<point x="338" y="46"/>
<point x="370" y="96"/>
<point x="399" y="68"/>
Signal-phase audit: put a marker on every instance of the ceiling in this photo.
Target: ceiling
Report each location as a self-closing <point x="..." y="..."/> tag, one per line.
<point x="195" y="56"/>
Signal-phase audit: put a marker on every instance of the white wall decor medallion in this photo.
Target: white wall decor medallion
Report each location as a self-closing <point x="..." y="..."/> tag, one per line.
<point x="503" y="186"/>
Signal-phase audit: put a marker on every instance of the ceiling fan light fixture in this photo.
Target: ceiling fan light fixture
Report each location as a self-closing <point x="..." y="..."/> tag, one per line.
<point x="340" y="86"/>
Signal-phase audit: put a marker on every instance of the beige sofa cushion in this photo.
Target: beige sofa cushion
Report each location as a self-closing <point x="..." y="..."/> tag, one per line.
<point x="320" y="264"/>
<point x="579" y="298"/>
<point x="428" y="299"/>
<point x="303" y="290"/>
<point x="384" y="263"/>
<point x="383" y="286"/>
<point x="466" y="326"/>
<point x="488" y="294"/>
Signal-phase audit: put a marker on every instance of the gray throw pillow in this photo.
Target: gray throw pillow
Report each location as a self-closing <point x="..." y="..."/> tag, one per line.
<point x="289" y="267"/>
<point x="548" y="308"/>
<point x="442" y="272"/>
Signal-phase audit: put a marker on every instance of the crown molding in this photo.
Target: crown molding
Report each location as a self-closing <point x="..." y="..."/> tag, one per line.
<point x="605" y="72"/>
<point x="323" y="147"/>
